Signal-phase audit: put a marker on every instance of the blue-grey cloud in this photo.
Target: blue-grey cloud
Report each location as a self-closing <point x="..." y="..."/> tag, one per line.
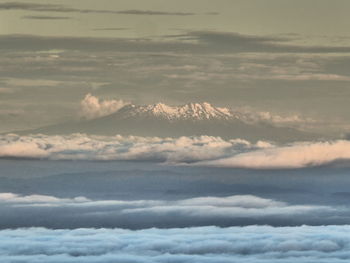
<point x="51" y="211"/>
<point x="256" y="244"/>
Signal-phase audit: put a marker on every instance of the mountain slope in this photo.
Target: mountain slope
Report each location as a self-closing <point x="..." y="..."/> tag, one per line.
<point x="191" y="119"/>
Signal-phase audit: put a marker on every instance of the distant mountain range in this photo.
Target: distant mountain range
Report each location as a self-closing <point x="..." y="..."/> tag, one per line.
<point x="192" y="119"/>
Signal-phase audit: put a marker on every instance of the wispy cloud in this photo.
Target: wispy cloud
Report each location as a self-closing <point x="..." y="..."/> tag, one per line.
<point x="46" y="17"/>
<point x="64" y="9"/>
<point x="111" y="29"/>
<point x="197" y="42"/>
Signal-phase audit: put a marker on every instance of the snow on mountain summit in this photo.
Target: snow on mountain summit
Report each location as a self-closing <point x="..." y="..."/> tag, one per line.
<point x="197" y="111"/>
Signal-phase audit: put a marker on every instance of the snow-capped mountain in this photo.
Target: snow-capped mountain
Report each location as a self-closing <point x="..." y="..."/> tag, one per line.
<point x="192" y="119"/>
<point x="190" y="111"/>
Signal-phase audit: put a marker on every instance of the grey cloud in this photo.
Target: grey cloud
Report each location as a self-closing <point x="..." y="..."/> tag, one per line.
<point x="149" y="12"/>
<point x="46" y="17"/>
<point x="63" y="9"/>
<point x="234" y="42"/>
<point x="37" y="43"/>
<point x="256" y="244"/>
<point x="111" y="29"/>
<point x="197" y="42"/>
<point x="209" y="210"/>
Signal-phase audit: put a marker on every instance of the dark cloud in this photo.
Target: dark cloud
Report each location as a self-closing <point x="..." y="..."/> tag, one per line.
<point x="198" y="42"/>
<point x="253" y="244"/>
<point x="150" y="12"/>
<point x="212" y="13"/>
<point x="36" y="43"/>
<point x="63" y="9"/>
<point x="111" y="29"/>
<point x="234" y="42"/>
<point x="46" y="17"/>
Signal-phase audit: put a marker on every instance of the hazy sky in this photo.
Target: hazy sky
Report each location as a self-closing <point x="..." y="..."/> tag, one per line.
<point x="286" y="57"/>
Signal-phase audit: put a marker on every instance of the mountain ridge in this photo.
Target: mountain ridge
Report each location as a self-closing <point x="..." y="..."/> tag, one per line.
<point x="191" y="119"/>
<point x="199" y="111"/>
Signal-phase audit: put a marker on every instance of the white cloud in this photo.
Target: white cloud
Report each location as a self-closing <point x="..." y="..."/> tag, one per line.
<point x="35" y="199"/>
<point x="296" y="155"/>
<point x="84" y="147"/>
<point x="258" y="244"/>
<point x="92" y="107"/>
<point x="238" y="206"/>
<point x="202" y="150"/>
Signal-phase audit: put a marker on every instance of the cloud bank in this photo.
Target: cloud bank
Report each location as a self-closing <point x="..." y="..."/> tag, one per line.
<point x="296" y="155"/>
<point x="56" y="212"/>
<point x="256" y="244"/>
<point x="202" y="151"/>
<point x="193" y="42"/>
<point x="92" y="107"/>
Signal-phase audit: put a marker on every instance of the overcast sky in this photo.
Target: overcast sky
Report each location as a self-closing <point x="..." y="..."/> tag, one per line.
<point x="285" y="57"/>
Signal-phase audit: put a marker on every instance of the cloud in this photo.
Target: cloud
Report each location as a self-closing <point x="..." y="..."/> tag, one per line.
<point x="253" y="116"/>
<point x="35" y="199"/>
<point x="193" y="42"/>
<point x="46" y="17"/>
<point x="63" y="9"/>
<point x="235" y="42"/>
<point x="40" y="43"/>
<point x="83" y="147"/>
<point x="92" y="107"/>
<point x="202" y="151"/>
<point x="111" y="29"/>
<point x="258" y="244"/>
<point x="150" y="12"/>
<point x="199" y="151"/>
<point x="245" y="206"/>
<point x="7" y="90"/>
<point x="296" y="155"/>
<point x="208" y="210"/>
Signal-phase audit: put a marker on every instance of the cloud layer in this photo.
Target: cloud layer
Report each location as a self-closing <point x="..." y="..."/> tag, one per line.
<point x="55" y="212"/>
<point x="256" y="244"/>
<point x="203" y="150"/>
<point x="296" y="155"/>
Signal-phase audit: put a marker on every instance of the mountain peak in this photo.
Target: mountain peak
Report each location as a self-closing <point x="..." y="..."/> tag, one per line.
<point x="195" y="111"/>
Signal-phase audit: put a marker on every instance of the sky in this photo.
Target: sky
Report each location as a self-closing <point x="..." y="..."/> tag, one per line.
<point x="90" y="172"/>
<point x="289" y="58"/>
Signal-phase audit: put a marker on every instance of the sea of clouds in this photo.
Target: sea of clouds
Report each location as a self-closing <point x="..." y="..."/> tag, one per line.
<point x="258" y="244"/>
<point x="201" y="150"/>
